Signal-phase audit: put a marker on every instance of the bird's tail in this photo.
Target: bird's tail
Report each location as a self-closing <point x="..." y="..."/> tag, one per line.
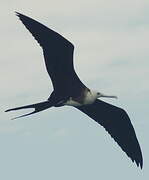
<point x="38" y="107"/>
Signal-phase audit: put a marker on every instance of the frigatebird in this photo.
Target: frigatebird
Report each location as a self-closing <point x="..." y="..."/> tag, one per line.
<point x="69" y="90"/>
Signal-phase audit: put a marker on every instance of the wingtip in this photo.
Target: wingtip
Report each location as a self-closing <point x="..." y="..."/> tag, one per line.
<point x="141" y="159"/>
<point x="139" y="163"/>
<point x="17" y="13"/>
<point x="141" y="166"/>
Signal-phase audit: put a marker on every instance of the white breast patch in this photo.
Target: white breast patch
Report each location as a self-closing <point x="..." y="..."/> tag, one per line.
<point x="89" y="98"/>
<point x="71" y="102"/>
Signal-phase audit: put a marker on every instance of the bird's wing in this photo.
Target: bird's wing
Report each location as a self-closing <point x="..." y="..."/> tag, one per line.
<point x="116" y="121"/>
<point x="58" y="54"/>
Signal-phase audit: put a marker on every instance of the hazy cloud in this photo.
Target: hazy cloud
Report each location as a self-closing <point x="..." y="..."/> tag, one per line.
<point x="111" y="54"/>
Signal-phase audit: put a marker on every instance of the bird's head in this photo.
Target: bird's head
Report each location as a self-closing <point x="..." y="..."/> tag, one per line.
<point x="99" y="94"/>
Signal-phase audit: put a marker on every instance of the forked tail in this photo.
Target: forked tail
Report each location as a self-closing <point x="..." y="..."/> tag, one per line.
<point x="38" y="107"/>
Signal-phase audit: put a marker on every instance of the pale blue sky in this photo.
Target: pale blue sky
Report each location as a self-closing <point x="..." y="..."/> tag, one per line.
<point x="111" y="39"/>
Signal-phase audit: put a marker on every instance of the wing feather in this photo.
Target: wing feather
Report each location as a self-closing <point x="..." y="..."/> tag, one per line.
<point x="58" y="55"/>
<point x="117" y="123"/>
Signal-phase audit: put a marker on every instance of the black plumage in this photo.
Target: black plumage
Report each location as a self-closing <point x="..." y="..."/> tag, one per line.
<point x="58" y="55"/>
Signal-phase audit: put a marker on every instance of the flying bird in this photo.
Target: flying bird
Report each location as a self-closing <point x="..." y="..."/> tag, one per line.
<point x="69" y="90"/>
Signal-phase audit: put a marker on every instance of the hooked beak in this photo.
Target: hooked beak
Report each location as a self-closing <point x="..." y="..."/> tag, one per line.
<point x="103" y="95"/>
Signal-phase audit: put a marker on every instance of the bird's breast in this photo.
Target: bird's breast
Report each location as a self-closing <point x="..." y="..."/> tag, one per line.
<point x="89" y="98"/>
<point x="85" y="99"/>
<point x="71" y="102"/>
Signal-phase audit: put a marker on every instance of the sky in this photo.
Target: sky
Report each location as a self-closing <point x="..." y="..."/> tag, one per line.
<point x="111" y="39"/>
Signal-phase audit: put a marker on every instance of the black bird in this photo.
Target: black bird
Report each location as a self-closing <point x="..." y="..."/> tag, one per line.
<point x="69" y="90"/>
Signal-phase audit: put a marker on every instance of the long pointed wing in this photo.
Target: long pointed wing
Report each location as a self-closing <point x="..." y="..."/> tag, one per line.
<point x="116" y="121"/>
<point x="58" y="54"/>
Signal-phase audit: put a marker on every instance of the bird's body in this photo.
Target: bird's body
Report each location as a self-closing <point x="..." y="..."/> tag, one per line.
<point x="86" y="97"/>
<point x="69" y="90"/>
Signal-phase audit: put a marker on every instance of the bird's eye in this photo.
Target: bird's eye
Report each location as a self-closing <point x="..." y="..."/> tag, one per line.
<point x="98" y="93"/>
